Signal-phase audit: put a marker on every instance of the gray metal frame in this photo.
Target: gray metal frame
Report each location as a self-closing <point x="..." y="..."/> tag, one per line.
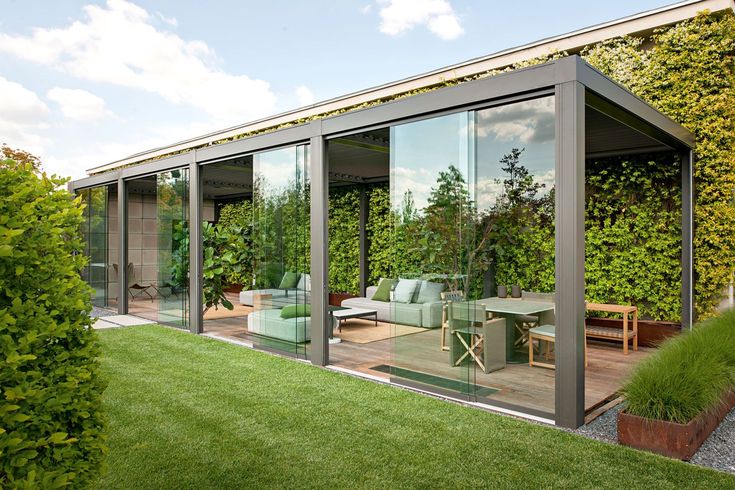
<point x="575" y="85"/>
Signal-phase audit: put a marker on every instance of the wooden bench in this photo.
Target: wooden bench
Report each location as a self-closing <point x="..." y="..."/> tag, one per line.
<point x="625" y="335"/>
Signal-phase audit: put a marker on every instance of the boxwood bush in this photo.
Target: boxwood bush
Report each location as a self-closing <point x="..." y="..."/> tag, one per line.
<point x="689" y="374"/>
<point x="51" y="429"/>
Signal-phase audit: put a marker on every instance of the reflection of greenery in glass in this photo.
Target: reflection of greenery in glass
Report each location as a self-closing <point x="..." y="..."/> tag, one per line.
<point x="172" y="218"/>
<point x="280" y="215"/>
<point x="94" y="231"/>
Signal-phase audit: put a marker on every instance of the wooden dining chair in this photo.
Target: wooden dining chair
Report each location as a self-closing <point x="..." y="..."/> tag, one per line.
<point x="448" y="297"/>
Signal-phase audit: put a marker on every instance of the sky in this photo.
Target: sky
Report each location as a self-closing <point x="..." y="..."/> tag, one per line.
<point x="87" y="82"/>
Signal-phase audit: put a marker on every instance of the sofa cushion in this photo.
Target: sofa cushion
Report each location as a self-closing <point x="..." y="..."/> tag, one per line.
<point x="406" y="313"/>
<point x="429" y="291"/>
<point x="381" y="307"/>
<point x="405" y="290"/>
<point x="269" y="323"/>
<point x="289" y="281"/>
<point x="293" y="311"/>
<point x="383" y="292"/>
<point x="304" y="283"/>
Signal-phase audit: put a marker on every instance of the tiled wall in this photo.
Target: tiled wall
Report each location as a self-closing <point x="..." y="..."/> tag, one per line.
<point x="142" y="238"/>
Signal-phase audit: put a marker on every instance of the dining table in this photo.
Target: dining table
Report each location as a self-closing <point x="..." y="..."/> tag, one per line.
<point x="510" y="309"/>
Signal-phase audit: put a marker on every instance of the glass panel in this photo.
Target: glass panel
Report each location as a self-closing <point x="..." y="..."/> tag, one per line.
<point x="514" y="257"/>
<point x="158" y="247"/>
<point x="227" y="223"/>
<point x="431" y="206"/>
<point x="281" y="250"/>
<point x="172" y="285"/>
<point x="94" y="232"/>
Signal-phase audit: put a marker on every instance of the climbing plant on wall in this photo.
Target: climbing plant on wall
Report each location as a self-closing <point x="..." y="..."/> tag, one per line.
<point x="344" y="245"/>
<point x="689" y="74"/>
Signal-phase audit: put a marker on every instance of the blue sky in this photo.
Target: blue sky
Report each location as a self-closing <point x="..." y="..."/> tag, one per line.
<point x="83" y="83"/>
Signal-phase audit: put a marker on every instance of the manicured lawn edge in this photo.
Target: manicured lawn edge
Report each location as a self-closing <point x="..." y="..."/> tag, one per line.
<point x="189" y="411"/>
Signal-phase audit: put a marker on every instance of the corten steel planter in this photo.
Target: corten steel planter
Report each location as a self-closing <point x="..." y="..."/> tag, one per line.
<point x="335" y="299"/>
<point x="670" y="439"/>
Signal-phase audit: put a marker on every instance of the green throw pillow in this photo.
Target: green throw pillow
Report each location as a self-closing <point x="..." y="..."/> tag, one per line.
<point x="293" y="311"/>
<point x="290" y="280"/>
<point x="429" y="291"/>
<point x="383" y="292"/>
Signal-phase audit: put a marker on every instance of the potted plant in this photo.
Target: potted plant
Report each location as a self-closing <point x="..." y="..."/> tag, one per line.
<point x="679" y="395"/>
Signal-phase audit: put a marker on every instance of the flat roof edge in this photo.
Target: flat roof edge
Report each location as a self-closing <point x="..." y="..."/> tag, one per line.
<point x="636" y="23"/>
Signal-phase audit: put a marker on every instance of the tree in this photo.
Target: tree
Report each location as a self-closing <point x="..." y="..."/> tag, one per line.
<point x="19" y="157"/>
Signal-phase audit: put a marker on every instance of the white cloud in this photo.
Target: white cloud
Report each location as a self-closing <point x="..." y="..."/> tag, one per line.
<point x="172" y="21"/>
<point x="530" y="121"/>
<point x="119" y="44"/>
<point x="79" y="105"/>
<point x="305" y="95"/>
<point x="22" y="114"/>
<point x="398" y="16"/>
<point x="366" y="9"/>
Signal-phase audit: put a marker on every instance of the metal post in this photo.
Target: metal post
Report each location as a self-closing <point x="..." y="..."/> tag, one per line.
<point x="364" y="245"/>
<point x="122" y="229"/>
<point x="687" y="267"/>
<point x="319" y="254"/>
<point x="570" y="307"/>
<point x="196" y="321"/>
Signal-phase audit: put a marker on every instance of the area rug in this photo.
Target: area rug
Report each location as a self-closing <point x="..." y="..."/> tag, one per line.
<point x="362" y="331"/>
<point x="222" y="312"/>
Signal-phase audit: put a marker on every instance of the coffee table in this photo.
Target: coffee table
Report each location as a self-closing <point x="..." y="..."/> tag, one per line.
<point x="347" y="313"/>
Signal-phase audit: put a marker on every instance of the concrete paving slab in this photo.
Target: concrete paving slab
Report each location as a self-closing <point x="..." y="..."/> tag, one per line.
<point x="127" y="320"/>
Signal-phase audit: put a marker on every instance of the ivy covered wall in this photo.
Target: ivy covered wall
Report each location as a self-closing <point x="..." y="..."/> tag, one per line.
<point x="689" y="74"/>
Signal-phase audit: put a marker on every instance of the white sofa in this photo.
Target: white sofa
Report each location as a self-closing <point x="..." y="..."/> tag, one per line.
<point x="282" y="297"/>
<point x="427" y="315"/>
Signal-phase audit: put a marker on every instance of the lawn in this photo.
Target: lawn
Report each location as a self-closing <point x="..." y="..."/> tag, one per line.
<point x="191" y="412"/>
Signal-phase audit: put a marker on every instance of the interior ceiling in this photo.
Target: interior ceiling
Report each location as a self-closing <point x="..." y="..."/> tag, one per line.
<point x="363" y="157"/>
<point x="229" y="179"/>
<point x="605" y="136"/>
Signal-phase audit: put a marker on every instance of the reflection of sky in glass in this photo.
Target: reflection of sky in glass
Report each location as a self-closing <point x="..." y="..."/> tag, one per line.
<point x="525" y="125"/>
<point x="275" y="169"/>
<point x="420" y="150"/>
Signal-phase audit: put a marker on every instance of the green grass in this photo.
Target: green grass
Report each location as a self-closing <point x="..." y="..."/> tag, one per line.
<point x="192" y="412"/>
<point x="687" y="375"/>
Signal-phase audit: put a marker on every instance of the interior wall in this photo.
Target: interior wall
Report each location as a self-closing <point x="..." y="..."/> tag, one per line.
<point x="142" y="237"/>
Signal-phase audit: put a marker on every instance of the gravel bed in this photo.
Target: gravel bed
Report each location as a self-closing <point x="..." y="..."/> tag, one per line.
<point x="603" y="428"/>
<point x="100" y="312"/>
<point x="717" y="452"/>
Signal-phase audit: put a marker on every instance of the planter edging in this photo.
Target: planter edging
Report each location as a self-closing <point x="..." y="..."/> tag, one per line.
<point x="672" y="439"/>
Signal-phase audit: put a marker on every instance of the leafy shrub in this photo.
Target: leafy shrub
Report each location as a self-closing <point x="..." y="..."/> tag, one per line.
<point x="689" y="374"/>
<point x="52" y="429"/>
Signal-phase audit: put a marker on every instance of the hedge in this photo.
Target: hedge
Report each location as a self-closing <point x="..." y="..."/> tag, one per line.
<point x="52" y="430"/>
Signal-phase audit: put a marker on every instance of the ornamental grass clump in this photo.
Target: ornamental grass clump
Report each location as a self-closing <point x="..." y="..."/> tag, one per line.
<point x="51" y="423"/>
<point x="689" y="374"/>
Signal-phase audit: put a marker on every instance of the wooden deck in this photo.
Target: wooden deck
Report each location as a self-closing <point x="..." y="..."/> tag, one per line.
<point x="517" y="384"/>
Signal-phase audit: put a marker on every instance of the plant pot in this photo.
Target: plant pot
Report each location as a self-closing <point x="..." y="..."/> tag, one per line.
<point x="502" y="291"/>
<point x="335" y="299"/>
<point x="515" y="291"/>
<point x="671" y="439"/>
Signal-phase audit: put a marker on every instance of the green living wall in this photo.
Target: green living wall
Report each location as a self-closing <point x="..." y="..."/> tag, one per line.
<point x="689" y="74"/>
